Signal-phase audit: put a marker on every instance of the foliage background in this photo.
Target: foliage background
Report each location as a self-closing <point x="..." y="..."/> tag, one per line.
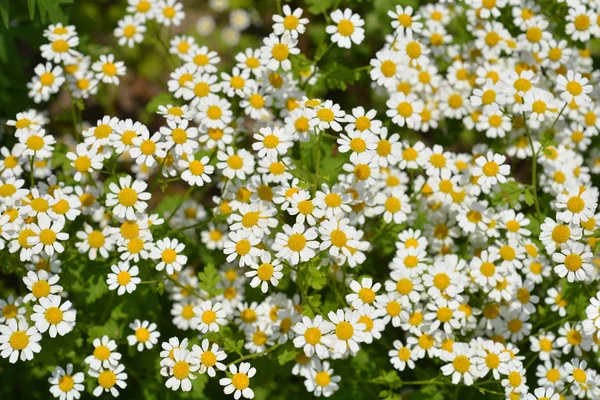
<point x="368" y="375"/>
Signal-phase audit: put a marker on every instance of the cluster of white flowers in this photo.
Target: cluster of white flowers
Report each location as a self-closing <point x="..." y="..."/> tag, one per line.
<point x="476" y="261"/>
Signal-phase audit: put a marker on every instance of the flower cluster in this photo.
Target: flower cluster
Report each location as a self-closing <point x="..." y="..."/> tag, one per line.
<point x="445" y="257"/>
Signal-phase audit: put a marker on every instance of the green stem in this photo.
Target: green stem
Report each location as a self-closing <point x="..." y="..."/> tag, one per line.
<point x="318" y="164"/>
<point x="183" y="199"/>
<point x="533" y="168"/>
<point x="255" y="355"/>
<point x="31" y="177"/>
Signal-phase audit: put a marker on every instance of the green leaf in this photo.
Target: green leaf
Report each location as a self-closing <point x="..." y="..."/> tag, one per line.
<point x="209" y="279"/>
<point x="286" y="356"/>
<point x="161" y="99"/>
<point x="160" y="288"/>
<point x="4" y="13"/>
<point x="339" y="77"/>
<point x="318" y="277"/>
<point x="529" y="197"/>
<point x="230" y="346"/>
<point x="319" y="6"/>
<point x="389" y="378"/>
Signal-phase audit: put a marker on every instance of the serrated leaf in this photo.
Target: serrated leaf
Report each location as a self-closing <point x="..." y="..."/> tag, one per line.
<point x="286" y="356"/>
<point x="209" y="279"/>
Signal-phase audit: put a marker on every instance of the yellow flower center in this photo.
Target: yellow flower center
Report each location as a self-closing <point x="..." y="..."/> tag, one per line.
<point x="142" y="334"/>
<point x="297" y="242"/>
<point x="461" y="364"/>
<point x="280" y="51"/>
<point x="18" y="340"/>
<point x="107" y="379"/>
<point x="345" y="27"/>
<point x="127" y="197"/>
<point x="344" y="330"/>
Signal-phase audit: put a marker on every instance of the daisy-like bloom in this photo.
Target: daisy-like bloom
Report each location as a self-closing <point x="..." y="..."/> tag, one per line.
<point x="18" y="340"/>
<point x="405" y="110"/>
<point x="94" y="241"/>
<point x="196" y="172"/>
<point x="66" y="385"/>
<point x="348" y="28"/>
<point x="210" y="357"/>
<point x="169" y="252"/>
<point x="128" y="197"/>
<point x="364" y="292"/>
<point x="312" y="336"/>
<point x="243" y="245"/>
<point x="491" y="356"/>
<point x="338" y="236"/>
<point x="50" y="315"/>
<point x="387" y="67"/>
<point x="577" y="206"/>
<point x="491" y="169"/>
<point x="108" y="70"/>
<point x="144" y="10"/>
<point x="47" y="80"/>
<point x="146" y="150"/>
<point x="543" y="394"/>
<point x="296" y="243"/>
<point x="443" y="278"/>
<point x="334" y="201"/>
<point x="416" y="52"/>
<point x="544" y="346"/>
<point x="554" y="234"/>
<point x="290" y="22"/>
<point x="578" y="376"/>
<point x="328" y="115"/>
<point x="41" y="284"/>
<point x="234" y="164"/>
<point x="574" y="261"/>
<point x="540" y="104"/>
<point x="276" y="51"/>
<point x="320" y="379"/>
<point x="130" y="30"/>
<point x="179" y="369"/>
<point x="11" y="308"/>
<point x="484" y="269"/>
<point x="145" y="334"/>
<point x="394" y="207"/>
<point x="348" y="331"/>
<point x="124" y="278"/>
<point x="47" y="235"/>
<point x="239" y="383"/>
<point x="488" y="95"/>
<point x="402" y="356"/>
<point x="85" y="160"/>
<point x="104" y="355"/>
<point x="574" y="88"/>
<point x="109" y="379"/>
<point x="61" y="49"/>
<point x="462" y="365"/>
<point x="169" y="12"/>
<point x="180" y="137"/>
<point x="404" y="22"/>
<point x="266" y="272"/>
<point x="35" y="143"/>
<point x="214" y="112"/>
<point x="208" y="316"/>
<point x="271" y="142"/>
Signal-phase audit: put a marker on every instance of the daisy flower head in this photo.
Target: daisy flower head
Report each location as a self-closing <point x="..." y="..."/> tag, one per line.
<point x="405" y="110"/>
<point x="268" y="271"/>
<point x="271" y="142"/>
<point x="169" y="12"/>
<point x="209" y="315"/>
<point x="145" y="334"/>
<point x="365" y="292"/>
<point x="110" y="379"/>
<point x="104" y="354"/>
<point x="11" y="308"/>
<point x="180" y="369"/>
<point x="146" y="149"/>
<point x="52" y="316"/>
<point x="169" y="253"/>
<point x="40" y="284"/>
<point x="127" y="197"/>
<point x="491" y="169"/>
<point x="312" y="336"/>
<point x="61" y="49"/>
<point x="130" y="31"/>
<point x="291" y="22"/>
<point x="348" y="28"/>
<point x="320" y="379"/>
<point x="144" y="10"/>
<point x="404" y="21"/>
<point x="276" y="51"/>
<point x="239" y="383"/>
<point x="123" y="278"/>
<point x="181" y="137"/>
<point x="573" y="262"/>
<point x="108" y="70"/>
<point x="574" y="88"/>
<point x="296" y="243"/>
<point x="196" y="172"/>
<point x="210" y="357"/>
<point x="66" y="385"/>
<point x="461" y="365"/>
<point x="243" y="245"/>
<point x="47" y="236"/>
<point x="235" y="164"/>
<point x="328" y="115"/>
<point x="47" y="81"/>
<point x="85" y="160"/>
<point x="18" y="340"/>
<point x="575" y="205"/>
